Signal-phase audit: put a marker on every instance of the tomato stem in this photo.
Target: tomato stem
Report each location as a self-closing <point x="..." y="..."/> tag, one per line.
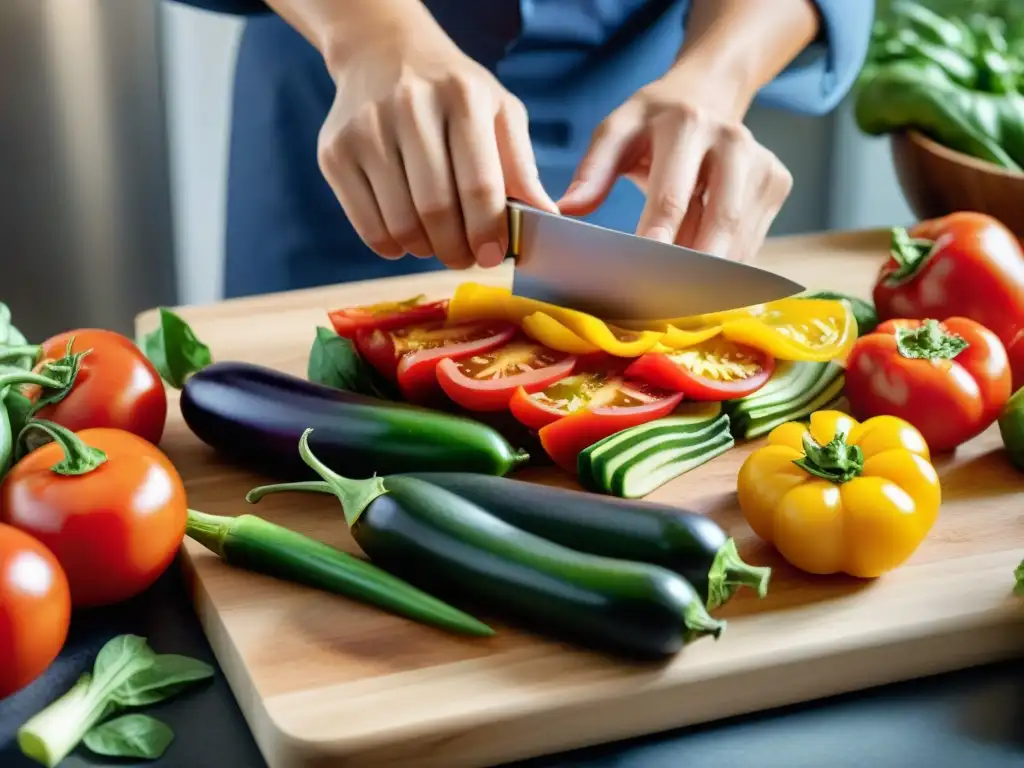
<point x="355" y="495"/>
<point x="16" y="378"/>
<point x="728" y="573"/>
<point x="64" y="370"/>
<point x="909" y="253"/>
<point x="836" y="461"/>
<point x="929" y="341"/>
<point x="79" y="457"/>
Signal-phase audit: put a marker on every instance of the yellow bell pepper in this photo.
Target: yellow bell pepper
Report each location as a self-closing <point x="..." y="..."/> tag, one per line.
<point x="565" y="330"/>
<point x="812" y="330"/>
<point x="841" y="496"/>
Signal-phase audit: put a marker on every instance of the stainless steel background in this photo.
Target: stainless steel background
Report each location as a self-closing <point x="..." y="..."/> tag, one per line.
<point x="85" y="209"/>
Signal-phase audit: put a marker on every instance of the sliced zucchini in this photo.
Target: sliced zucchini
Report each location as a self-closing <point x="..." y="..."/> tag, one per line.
<point x="601" y="466"/>
<point x="825" y="378"/>
<point x="752" y="428"/>
<point x="642" y="477"/>
<point x="788" y="382"/>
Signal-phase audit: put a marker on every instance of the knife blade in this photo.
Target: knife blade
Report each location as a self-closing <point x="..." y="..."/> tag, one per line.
<point x="618" y="276"/>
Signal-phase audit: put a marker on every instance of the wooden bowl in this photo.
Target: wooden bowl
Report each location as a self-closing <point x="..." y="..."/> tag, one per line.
<point x="937" y="180"/>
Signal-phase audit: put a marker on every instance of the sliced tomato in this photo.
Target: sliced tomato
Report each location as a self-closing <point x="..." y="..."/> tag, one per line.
<point x="487" y="381"/>
<point x="387" y="316"/>
<point x="714" y="369"/>
<point x="409" y="356"/>
<point x="634" y="403"/>
<point x="587" y="388"/>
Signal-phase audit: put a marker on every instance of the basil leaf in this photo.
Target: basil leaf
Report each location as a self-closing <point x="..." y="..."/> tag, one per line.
<point x="167" y="675"/>
<point x="334" y="362"/>
<point x="174" y="349"/>
<point x="138" y="736"/>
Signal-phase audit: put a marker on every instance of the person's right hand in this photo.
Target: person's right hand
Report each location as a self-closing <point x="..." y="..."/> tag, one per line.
<point x="422" y="146"/>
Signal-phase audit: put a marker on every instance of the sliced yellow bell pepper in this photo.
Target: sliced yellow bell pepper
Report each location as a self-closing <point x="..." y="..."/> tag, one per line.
<point x="842" y="496"/>
<point x="559" y="328"/>
<point x="812" y="330"/>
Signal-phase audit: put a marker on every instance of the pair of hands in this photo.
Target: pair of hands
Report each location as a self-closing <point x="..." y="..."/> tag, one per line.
<point x="422" y="146"/>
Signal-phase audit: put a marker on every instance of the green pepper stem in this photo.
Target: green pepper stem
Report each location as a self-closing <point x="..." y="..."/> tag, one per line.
<point x="728" y="573"/>
<point x="836" y="461"/>
<point x="7" y="354"/>
<point x="208" y="530"/>
<point x="1018" y="574"/>
<point x="303" y="486"/>
<point x="355" y="495"/>
<point x="79" y="457"/>
<point x="699" y="622"/>
<point x="910" y="254"/>
<point x="929" y="341"/>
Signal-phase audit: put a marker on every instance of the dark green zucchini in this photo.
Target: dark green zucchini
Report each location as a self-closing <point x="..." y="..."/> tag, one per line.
<point x="687" y="543"/>
<point x="455" y="549"/>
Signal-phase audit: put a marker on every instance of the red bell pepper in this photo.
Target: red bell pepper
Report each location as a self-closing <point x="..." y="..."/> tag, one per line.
<point x="409" y="355"/>
<point x="949" y="379"/>
<point x="961" y="265"/>
<point x="716" y="369"/>
<point x="387" y="316"/>
<point x="487" y="381"/>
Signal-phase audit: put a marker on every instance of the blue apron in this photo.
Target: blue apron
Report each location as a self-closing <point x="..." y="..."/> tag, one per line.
<point x="570" y="61"/>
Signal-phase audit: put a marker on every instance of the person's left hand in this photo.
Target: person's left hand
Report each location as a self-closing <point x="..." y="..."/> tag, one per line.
<point x="709" y="185"/>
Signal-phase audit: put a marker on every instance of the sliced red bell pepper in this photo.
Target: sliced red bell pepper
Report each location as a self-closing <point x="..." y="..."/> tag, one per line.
<point x="409" y="356"/>
<point x="387" y="316"/>
<point x="633" y="404"/>
<point x="487" y="381"/>
<point x="962" y="265"/>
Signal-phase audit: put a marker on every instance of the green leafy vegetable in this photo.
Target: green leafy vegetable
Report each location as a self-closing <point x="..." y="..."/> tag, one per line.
<point x="334" y="362"/>
<point x="14" y="347"/>
<point x="174" y="349"/>
<point x="138" y="736"/>
<point x="127" y="673"/>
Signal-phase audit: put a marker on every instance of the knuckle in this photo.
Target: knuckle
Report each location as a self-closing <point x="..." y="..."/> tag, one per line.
<point x="464" y="92"/>
<point x="436" y="211"/>
<point x="669" y="205"/>
<point x="734" y="135"/>
<point x="726" y="218"/>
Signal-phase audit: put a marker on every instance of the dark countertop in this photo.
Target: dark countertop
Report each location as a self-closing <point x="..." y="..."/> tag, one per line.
<point x="960" y="720"/>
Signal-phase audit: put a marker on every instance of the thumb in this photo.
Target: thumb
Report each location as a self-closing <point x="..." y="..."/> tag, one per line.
<point x="601" y="165"/>
<point x="519" y="166"/>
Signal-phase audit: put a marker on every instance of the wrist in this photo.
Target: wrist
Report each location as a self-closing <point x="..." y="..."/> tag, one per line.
<point x="388" y="24"/>
<point x="718" y="79"/>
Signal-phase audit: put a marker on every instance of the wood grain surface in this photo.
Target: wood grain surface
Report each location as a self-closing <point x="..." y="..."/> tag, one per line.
<point x="324" y="681"/>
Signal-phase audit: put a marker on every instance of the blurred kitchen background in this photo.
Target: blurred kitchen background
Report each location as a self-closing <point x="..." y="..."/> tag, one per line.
<point x="114" y="118"/>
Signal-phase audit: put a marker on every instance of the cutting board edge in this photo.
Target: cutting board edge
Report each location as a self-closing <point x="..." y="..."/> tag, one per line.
<point x="481" y="740"/>
<point x="501" y="737"/>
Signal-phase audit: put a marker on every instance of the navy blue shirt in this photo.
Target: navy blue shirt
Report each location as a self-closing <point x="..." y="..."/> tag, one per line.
<point x="570" y="61"/>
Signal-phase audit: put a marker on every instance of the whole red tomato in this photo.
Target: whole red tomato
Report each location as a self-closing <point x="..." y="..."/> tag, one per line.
<point x="949" y="379"/>
<point x="1016" y="353"/>
<point x="962" y="265"/>
<point x="116" y="386"/>
<point x="35" y="609"/>
<point x="114" y="528"/>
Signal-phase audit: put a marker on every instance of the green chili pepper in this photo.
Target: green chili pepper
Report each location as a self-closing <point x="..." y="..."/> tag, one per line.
<point x="935" y="28"/>
<point x="958" y="67"/>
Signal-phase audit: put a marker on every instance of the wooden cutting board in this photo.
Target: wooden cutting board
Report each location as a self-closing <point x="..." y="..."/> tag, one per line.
<point x="326" y="681"/>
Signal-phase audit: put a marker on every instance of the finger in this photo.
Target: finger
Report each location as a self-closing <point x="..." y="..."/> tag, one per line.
<point x="691" y="222"/>
<point x="677" y="156"/>
<point x="773" y="191"/>
<point x="518" y="162"/>
<point x="352" y="188"/>
<point x="382" y="162"/>
<point x="616" y="141"/>
<point x="728" y="175"/>
<point x="480" y="181"/>
<point x="421" y="139"/>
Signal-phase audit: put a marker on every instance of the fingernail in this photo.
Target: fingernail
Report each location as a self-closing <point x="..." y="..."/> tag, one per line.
<point x="661" y="234"/>
<point x="490" y="255"/>
<point x="573" y="188"/>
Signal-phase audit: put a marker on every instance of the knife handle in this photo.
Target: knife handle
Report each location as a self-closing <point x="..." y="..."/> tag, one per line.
<point x="515" y="226"/>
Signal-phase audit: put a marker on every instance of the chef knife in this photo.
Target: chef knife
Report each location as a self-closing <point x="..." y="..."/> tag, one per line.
<point x="618" y="276"/>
